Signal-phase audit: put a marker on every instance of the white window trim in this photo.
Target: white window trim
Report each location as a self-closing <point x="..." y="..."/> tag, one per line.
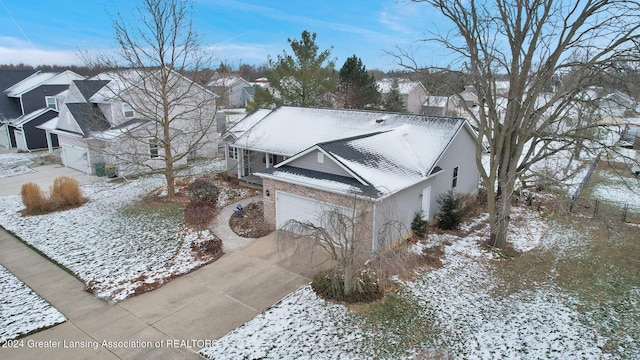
<point x="320" y="157"/>
<point x="154" y="148"/>
<point x="126" y="108"/>
<point x="55" y="103"/>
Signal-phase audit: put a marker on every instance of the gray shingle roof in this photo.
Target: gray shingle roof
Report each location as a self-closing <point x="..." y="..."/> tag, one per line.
<point x="89" y="117"/>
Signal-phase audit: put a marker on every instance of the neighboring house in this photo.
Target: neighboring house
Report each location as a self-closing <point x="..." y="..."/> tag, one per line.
<point x="234" y="91"/>
<point x="10" y="108"/>
<point x="98" y="125"/>
<point x="438" y="106"/>
<point x="414" y="94"/>
<point x="466" y="101"/>
<point x="36" y="97"/>
<point x="394" y="165"/>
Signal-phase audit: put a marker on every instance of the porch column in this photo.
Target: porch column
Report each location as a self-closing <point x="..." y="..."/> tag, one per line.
<point x="240" y="162"/>
<point x="49" y="141"/>
<point x="268" y="160"/>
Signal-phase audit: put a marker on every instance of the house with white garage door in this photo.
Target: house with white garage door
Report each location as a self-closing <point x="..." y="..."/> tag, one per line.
<point x="392" y="165"/>
<point x="106" y="121"/>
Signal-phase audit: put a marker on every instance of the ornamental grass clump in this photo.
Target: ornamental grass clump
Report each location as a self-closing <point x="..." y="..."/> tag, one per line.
<point x="64" y="194"/>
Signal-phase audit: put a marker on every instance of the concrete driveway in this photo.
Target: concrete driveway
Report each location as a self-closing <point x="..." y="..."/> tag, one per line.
<point x="172" y="322"/>
<point x="43" y="176"/>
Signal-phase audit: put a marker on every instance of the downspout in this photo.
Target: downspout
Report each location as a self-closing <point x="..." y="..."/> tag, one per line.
<point x="373" y="230"/>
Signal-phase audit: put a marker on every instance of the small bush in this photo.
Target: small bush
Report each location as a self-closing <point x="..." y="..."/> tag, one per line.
<point x="450" y="216"/>
<point x="33" y="198"/>
<point x="65" y="192"/>
<point x="329" y="284"/>
<point x="198" y="214"/>
<point x="419" y="225"/>
<point x="208" y="247"/>
<point x="204" y="190"/>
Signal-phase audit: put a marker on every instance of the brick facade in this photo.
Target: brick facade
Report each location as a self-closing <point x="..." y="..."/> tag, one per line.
<point x="364" y="207"/>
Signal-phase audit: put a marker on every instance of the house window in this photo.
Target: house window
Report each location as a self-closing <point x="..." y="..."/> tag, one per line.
<point x="454" y="182"/>
<point x="320" y="157"/>
<point x="51" y="102"/>
<point x="233" y="153"/>
<point x="153" y="148"/>
<point x="128" y="110"/>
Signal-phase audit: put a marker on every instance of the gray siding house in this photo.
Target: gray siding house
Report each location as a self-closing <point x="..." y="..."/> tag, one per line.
<point x="383" y="166"/>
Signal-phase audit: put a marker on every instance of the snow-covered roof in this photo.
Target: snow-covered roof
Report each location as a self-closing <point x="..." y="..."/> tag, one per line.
<point x="436" y="101"/>
<point x="28" y="117"/>
<point x="288" y="130"/>
<point x="240" y="127"/>
<point x="386" y="152"/>
<point x="116" y="84"/>
<point x="115" y="132"/>
<point x="50" y="125"/>
<point x="42" y="78"/>
<point x="226" y="81"/>
<point x="405" y="86"/>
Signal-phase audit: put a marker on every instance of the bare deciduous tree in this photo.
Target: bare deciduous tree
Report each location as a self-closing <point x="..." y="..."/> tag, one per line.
<point x="532" y="42"/>
<point x="159" y="49"/>
<point x="343" y="236"/>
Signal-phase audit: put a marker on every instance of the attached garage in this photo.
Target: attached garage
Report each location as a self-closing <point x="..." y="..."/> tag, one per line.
<point x="303" y="209"/>
<point x="20" y="140"/>
<point x="76" y="158"/>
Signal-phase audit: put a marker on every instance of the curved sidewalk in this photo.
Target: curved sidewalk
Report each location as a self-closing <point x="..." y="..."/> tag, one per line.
<point x="230" y="240"/>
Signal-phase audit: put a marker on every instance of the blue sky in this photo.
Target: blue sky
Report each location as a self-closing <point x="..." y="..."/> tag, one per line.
<point x="239" y="31"/>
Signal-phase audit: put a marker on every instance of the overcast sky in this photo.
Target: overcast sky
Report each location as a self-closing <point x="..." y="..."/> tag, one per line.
<point x="38" y="32"/>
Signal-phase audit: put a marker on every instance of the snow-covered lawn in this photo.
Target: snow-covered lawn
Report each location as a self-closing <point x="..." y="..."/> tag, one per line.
<point x="619" y="189"/>
<point x="460" y="310"/>
<point x="114" y="243"/>
<point x="22" y="311"/>
<point x="12" y="164"/>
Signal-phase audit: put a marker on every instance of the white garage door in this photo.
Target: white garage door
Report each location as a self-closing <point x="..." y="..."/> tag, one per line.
<point x="289" y="206"/>
<point x="20" y="143"/>
<point x="4" y="137"/>
<point x="75" y="158"/>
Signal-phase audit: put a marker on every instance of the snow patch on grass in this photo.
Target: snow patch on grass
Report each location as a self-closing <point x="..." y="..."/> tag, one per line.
<point x="113" y="247"/>
<point x="22" y="311"/>
<point x="13" y="164"/>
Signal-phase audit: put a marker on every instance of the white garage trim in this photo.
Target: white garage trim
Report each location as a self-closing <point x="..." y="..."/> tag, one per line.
<point x="21" y="142"/>
<point x="303" y="209"/>
<point x="4" y="136"/>
<point x="75" y="158"/>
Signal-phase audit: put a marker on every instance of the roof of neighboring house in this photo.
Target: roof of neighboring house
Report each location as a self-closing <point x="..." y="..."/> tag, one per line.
<point x="89" y="117"/>
<point x="115" y="132"/>
<point x="436" y="101"/>
<point x="228" y="81"/>
<point x="89" y="87"/>
<point x="18" y="122"/>
<point x="50" y="125"/>
<point x="405" y="86"/>
<point x="10" y="108"/>
<point x="42" y="78"/>
<point x="383" y="158"/>
<point x="117" y="82"/>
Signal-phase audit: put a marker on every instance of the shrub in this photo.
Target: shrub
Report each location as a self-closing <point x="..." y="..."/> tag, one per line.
<point x="204" y="190"/>
<point x="198" y="214"/>
<point x="329" y="284"/>
<point x="65" y="192"/>
<point x="33" y="199"/>
<point x="450" y="216"/>
<point x="419" y="225"/>
<point x="208" y="247"/>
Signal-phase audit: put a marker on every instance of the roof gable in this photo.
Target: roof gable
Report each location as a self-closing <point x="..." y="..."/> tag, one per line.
<point x="88" y="88"/>
<point x="42" y="78"/>
<point x="88" y="117"/>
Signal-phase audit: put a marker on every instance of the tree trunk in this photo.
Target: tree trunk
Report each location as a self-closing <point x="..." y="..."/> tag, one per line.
<point x="168" y="160"/>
